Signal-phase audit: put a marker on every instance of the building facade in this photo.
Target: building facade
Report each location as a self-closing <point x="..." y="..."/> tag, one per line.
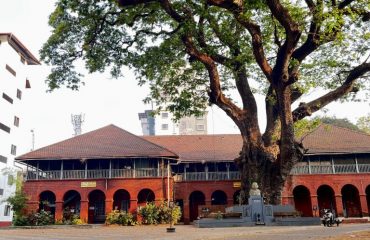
<point x="15" y="59"/>
<point x="163" y="124"/>
<point x="111" y="169"/>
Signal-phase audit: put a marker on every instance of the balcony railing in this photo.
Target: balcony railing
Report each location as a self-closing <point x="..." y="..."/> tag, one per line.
<point x="95" y="174"/>
<point x="331" y="169"/>
<point x="207" y="176"/>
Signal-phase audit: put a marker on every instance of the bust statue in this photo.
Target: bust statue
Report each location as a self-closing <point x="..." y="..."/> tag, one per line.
<point x="254" y="191"/>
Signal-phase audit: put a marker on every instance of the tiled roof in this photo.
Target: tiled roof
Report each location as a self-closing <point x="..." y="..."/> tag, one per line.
<point x="107" y="142"/>
<point x="326" y="139"/>
<point x="201" y="147"/>
<point x="329" y="139"/>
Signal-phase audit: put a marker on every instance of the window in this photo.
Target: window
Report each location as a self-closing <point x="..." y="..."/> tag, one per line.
<point x="11" y="70"/>
<point x="16" y="121"/>
<point x="164" y="126"/>
<point x="19" y="94"/>
<point x="201" y="117"/>
<point x="200" y="127"/>
<point x="1" y="191"/>
<point x="7" y="98"/>
<point x="10" y="179"/>
<point x="3" y="159"/>
<point x="13" y="150"/>
<point x="164" y="115"/>
<point x="23" y="60"/>
<point x="7" y="210"/>
<point x="4" y="128"/>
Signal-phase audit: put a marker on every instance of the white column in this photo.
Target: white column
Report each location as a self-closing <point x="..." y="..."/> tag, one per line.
<point x="86" y="169"/>
<point x="61" y="170"/>
<point x="37" y="171"/>
<point x="357" y="170"/>
<point x="332" y="164"/>
<point x="110" y="168"/>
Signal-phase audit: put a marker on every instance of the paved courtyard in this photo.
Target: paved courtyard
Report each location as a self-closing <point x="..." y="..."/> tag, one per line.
<point x="188" y="232"/>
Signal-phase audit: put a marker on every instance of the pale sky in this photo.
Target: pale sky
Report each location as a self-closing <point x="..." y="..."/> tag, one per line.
<point x="103" y="100"/>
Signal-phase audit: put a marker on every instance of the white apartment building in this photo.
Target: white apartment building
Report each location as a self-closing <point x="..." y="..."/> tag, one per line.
<point x="163" y="124"/>
<point x="15" y="59"/>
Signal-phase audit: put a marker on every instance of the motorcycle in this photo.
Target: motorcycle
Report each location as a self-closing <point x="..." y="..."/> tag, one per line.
<point x="329" y="219"/>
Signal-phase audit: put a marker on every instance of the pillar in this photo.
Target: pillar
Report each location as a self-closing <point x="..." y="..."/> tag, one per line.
<point x="315" y="206"/>
<point x="108" y="206"/>
<point x="133" y="206"/>
<point x="84" y="210"/>
<point x="59" y="211"/>
<point x="186" y="212"/>
<point x="364" y="206"/>
<point x="339" y="203"/>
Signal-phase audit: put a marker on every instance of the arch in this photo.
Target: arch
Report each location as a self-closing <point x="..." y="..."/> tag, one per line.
<point x="121" y="200"/>
<point x="47" y="201"/>
<point x="302" y="200"/>
<point x="71" y="204"/>
<point x="196" y="198"/>
<point x="96" y="212"/>
<point x="351" y="201"/>
<point x="218" y="198"/>
<point x="236" y="197"/>
<point x="326" y="199"/>
<point x="367" y="191"/>
<point x="145" y="195"/>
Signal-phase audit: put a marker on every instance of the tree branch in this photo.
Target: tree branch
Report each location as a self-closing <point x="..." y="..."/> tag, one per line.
<point x="306" y="109"/>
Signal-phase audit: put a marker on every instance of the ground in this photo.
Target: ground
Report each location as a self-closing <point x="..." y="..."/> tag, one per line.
<point x="188" y="232"/>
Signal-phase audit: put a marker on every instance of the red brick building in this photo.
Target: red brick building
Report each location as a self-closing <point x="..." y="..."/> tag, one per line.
<point x="110" y="168"/>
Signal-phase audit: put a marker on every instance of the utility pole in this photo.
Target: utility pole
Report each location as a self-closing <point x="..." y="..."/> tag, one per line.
<point x="33" y="139"/>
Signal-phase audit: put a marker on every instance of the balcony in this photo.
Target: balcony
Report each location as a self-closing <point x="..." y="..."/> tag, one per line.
<point x="207" y="176"/>
<point x="95" y="174"/>
<point x="331" y="169"/>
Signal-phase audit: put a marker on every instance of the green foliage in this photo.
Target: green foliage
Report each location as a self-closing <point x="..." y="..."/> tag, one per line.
<point x="363" y="123"/>
<point x="153" y="214"/>
<point x="120" y="217"/>
<point x="18" y="202"/>
<point x="40" y="218"/>
<point x="339" y="122"/>
<point x="305" y="126"/>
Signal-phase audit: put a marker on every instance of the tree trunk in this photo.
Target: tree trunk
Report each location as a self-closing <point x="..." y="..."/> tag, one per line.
<point x="256" y="164"/>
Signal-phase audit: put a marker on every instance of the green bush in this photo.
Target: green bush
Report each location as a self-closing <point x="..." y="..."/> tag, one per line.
<point x="20" y="220"/>
<point x="152" y="214"/>
<point x="149" y="213"/>
<point x="120" y="217"/>
<point x="40" y="218"/>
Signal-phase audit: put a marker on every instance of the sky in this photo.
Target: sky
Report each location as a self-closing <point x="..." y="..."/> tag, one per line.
<point x="102" y="100"/>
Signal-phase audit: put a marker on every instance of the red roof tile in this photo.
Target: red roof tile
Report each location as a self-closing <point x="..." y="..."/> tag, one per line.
<point x="326" y="139"/>
<point x="106" y="142"/>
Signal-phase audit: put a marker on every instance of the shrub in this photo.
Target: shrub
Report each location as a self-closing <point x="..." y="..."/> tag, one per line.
<point x="40" y="218"/>
<point x="152" y="214"/>
<point x="120" y="217"/>
<point x="20" y="220"/>
<point x="149" y="213"/>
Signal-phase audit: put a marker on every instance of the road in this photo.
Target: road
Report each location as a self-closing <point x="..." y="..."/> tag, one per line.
<point x="188" y="232"/>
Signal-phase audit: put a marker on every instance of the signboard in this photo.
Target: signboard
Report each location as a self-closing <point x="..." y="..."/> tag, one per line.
<point x="88" y="184"/>
<point x="237" y="184"/>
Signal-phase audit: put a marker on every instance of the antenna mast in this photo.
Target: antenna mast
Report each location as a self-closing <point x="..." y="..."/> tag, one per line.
<point x="77" y="121"/>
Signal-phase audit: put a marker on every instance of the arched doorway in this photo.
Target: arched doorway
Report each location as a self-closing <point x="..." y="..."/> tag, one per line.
<point x="145" y="195"/>
<point x="302" y="200"/>
<point x="71" y="204"/>
<point x="218" y="198"/>
<point x="326" y="199"/>
<point x="121" y="200"/>
<point x="47" y="202"/>
<point x="96" y="206"/>
<point x="195" y="199"/>
<point x="368" y="198"/>
<point x="236" y="198"/>
<point x="351" y="201"/>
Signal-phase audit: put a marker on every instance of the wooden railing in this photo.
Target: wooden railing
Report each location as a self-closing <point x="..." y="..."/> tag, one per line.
<point x="331" y="169"/>
<point x="95" y="174"/>
<point x="207" y="176"/>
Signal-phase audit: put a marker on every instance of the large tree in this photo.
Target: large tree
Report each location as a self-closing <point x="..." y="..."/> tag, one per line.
<point x="194" y="52"/>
